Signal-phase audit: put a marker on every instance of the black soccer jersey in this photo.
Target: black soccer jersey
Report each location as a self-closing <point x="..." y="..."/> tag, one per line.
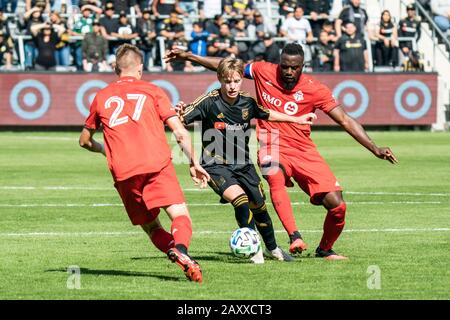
<point x="225" y="128"/>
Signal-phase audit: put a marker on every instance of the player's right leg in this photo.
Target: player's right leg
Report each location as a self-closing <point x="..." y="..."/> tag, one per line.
<point x="162" y="239"/>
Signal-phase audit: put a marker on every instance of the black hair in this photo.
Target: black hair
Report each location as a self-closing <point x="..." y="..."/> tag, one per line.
<point x="293" y="49"/>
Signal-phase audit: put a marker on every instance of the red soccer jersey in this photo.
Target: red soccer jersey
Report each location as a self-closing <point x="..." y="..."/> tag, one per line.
<point x="133" y="113"/>
<point x="307" y="96"/>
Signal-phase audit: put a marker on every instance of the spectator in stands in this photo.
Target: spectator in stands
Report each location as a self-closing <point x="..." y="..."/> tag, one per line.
<point x="31" y="18"/>
<point x="297" y="29"/>
<point x="80" y="28"/>
<point x="164" y="8"/>
<point x="124" y="6"/>
<point x="62" y="47"/>
<point x="318" y="12"/>
<point x="412" y="63"/>
<point x="199" y="42"/>
<point x="224" y="45"/>
<point x="125" y="32"/>
<point x="240" y="31"/>
<point x="287" y="7"/>
<point x="184" y="66"/>
<point x="258" y="47"/>
<point x="441" y="12"/>
<point x="46" y="40"/>
<point x="213" y="27"/>
<point x="95" y="50"/>
<point x="63" y="6"/>
<point x="4" y="23"/>
<point x="109" y="25"/>
<point x="350" y="53"/>
<point x="43" y="4"/>
<point x="329" y="29"/>
<point x="238" y="7"/>
<point x="352" y="13"/>
<point x="271" y="52"/>
<point x="323" y="55"/>
<point x="147" y="34"/>
<point x="172" y="29"/>
<point x="6" y="51"/>
<point x="387" y="41"/>
<point x="410" y="28"/>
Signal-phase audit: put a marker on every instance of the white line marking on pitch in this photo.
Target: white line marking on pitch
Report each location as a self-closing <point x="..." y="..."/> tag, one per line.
<point x="122" y="233"/>
<point x="68" y="205"/>
<point x="375" y="193"/>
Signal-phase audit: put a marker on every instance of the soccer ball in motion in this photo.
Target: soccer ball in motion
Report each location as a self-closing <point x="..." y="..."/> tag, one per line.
<point x="245" y="243"/>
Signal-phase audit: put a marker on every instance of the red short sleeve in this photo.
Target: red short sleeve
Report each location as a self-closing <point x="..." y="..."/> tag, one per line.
<point x="92" y="121"/>
<point x="324" y="99"/>
<point x="163" y="105"/>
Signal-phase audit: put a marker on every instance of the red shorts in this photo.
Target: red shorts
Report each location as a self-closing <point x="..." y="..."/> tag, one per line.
<point x="143" y="194"/>
<point x="309" y="170"/>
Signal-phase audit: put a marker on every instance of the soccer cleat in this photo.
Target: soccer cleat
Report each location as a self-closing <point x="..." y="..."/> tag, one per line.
<point x="278" y="254"/>
<point x="258" y="258"/>
<point x="329" y="254"/>
<point x="190" y="267"/>
<point x="298" y="246"/>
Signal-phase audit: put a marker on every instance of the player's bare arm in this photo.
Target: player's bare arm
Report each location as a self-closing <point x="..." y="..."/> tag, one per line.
<point x="211" y="63"/>
<point x="276" y="116"/>
<point x="87" y="141"/>
<point x="198" y="174"/>
<point x="359" y="134"/>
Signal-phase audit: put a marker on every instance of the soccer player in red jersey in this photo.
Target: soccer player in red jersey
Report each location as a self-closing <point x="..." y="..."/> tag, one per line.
<point x="133" y="114"/>
<point x="286" y="150"/>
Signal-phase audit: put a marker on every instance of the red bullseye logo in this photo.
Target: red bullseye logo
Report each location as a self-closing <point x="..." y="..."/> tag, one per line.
<point x="412" y="99"/>
<point x="353" y="97"/>
<point x="29" y="99"/>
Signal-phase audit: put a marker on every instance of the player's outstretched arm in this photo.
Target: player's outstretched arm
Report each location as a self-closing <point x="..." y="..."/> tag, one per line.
<point x="276" y="116"/>
<point x="359" y="134"/>
<point x="198" y="174"/>
<point x="211" y="63"/>
<point x="87" y="141"/>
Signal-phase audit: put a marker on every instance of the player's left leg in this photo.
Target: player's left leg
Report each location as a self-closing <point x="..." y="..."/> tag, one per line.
<point x="333" y="225"/>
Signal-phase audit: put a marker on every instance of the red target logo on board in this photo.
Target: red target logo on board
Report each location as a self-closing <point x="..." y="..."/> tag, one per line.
<point x="30" y="99"/>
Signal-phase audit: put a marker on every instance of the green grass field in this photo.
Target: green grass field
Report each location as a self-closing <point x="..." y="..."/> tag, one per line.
<point x="58" y="208"/>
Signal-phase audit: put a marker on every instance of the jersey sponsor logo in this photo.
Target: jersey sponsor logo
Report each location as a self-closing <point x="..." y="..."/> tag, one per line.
<point x="245" y="114"/>
<point x="220" y="116"/>
<point x="290" y="108"/>
<point x="272" y="100"/>
<point x="298" y="96"/>
<point x="231" y="127"/>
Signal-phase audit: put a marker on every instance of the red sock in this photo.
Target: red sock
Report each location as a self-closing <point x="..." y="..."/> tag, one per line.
<point x="333" y="225"/>
<point x="281" y="201"/>
<point x="162" y="240"/>
<point x="182" y="230"/>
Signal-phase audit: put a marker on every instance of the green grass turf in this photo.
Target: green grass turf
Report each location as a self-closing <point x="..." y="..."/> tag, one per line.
<point x="39" y="243"/>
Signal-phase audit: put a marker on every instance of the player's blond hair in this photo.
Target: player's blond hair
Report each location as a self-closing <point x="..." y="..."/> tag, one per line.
<point x="228" y="66"/>
<point x="127" y="56"/>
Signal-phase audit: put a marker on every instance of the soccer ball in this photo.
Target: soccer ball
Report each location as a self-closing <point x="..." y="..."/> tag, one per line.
<point x="245" y="243"/>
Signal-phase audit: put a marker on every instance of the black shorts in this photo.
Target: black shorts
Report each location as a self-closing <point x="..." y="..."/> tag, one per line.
<point x="225" y="176"/>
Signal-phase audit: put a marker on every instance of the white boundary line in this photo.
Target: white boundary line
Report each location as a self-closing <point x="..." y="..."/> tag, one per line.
<point x="132" y="233"/>
<point x="375" y="193"/>
<point x="77" y="205"/>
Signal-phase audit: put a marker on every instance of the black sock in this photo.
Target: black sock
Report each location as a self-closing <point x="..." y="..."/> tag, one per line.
<point x="265" y="226"/>
<point x="296" y="235"/>
<point x="244" y="216"/>
<point x="182" y="248"/>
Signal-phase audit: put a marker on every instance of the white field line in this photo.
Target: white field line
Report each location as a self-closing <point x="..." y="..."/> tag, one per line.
<point x="375" y="193"/>
<point x="132" y="233"/>
<point x="71" y="205"/>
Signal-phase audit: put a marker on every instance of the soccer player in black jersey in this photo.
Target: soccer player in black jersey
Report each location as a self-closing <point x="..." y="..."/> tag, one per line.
<point x="225" y="114"/>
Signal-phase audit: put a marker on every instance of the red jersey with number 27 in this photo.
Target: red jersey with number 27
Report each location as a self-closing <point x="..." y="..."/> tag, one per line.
<point x="132" y="113"/>
<point x="307" y="96"/>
